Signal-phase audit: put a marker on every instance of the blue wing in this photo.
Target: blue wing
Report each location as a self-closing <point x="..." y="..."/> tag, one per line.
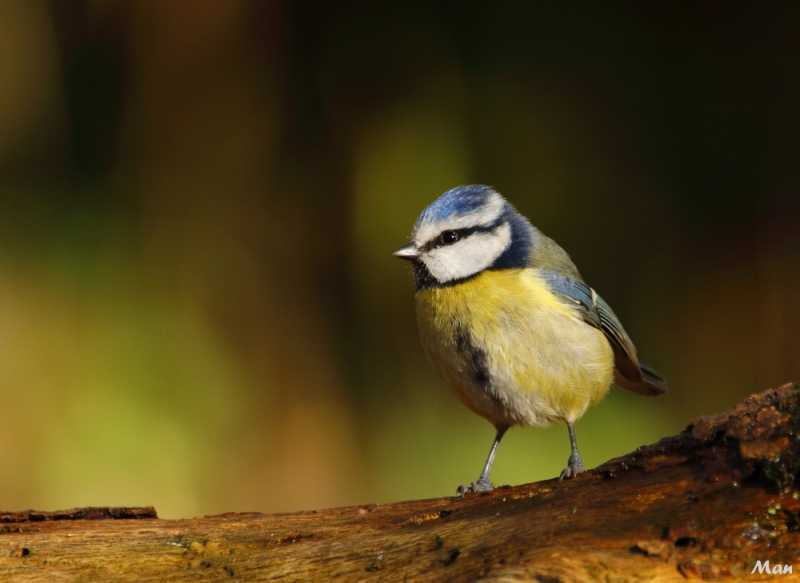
<point x="629" y="373"/>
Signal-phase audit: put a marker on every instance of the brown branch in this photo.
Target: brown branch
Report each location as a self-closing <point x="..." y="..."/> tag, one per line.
<point x="707" y="503"/>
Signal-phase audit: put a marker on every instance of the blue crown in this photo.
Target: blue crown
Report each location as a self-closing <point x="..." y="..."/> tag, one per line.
<point x="456" y="202"/>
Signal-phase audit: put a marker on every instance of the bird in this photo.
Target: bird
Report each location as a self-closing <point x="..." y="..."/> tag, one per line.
<point x="509" y="324"/>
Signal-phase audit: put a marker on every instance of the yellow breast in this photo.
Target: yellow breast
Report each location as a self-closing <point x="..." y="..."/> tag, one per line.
<point x="512" y="351"/>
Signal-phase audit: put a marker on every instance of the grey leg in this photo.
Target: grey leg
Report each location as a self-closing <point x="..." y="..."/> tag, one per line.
<point x="484" y="484"/>
<point x="575" y="463"/>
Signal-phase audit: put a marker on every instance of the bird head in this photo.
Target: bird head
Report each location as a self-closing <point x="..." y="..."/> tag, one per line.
<point x="467" y="230"/>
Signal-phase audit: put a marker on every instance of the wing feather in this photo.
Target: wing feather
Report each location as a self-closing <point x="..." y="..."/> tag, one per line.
<point x="629" y="373"/>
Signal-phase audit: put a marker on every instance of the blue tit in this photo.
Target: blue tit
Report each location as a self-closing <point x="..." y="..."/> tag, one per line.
<point x="508" y="323"/>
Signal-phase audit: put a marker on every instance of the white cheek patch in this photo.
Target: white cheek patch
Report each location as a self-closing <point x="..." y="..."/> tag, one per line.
<point x="468" y="256"/>
<point x="481" y="217"/>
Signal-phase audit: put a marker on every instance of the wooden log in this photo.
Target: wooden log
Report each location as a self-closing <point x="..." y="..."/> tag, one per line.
<point x="705" y="504"/>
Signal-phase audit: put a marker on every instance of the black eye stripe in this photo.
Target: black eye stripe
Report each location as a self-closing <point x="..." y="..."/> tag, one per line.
<point x="462" y="234"/>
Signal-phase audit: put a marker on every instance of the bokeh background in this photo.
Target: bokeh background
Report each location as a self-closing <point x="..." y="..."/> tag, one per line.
<point x="199" y="199"/>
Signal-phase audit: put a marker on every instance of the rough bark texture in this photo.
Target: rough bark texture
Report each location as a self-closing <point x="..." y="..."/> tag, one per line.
<point x="705" y="504"/>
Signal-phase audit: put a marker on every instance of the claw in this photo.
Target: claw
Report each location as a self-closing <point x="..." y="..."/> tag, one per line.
<point x="574" y="467"/>
<point x="482" y="485"/>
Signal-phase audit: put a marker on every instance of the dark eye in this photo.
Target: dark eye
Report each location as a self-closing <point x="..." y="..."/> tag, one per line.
<point x="449" y="237"/>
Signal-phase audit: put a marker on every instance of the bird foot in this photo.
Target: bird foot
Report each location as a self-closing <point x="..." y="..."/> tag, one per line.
<point x="574" y="467"/>
<point x="482" y="485"/>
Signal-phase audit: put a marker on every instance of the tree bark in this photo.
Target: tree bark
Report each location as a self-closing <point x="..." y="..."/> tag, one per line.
<point x="705" y="504"/>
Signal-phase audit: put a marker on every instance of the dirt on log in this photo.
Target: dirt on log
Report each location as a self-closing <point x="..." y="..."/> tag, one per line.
<point x="708" y="503"/>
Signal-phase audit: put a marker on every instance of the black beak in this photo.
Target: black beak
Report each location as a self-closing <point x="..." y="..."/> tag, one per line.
<point x="408" y="252"/>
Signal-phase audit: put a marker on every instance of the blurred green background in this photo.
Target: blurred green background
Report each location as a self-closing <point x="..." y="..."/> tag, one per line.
<point x="199" y="199"/>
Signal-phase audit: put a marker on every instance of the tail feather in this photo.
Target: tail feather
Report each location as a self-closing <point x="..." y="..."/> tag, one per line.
<point x="653" y="379"/>
<point x="651" y="383"/>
